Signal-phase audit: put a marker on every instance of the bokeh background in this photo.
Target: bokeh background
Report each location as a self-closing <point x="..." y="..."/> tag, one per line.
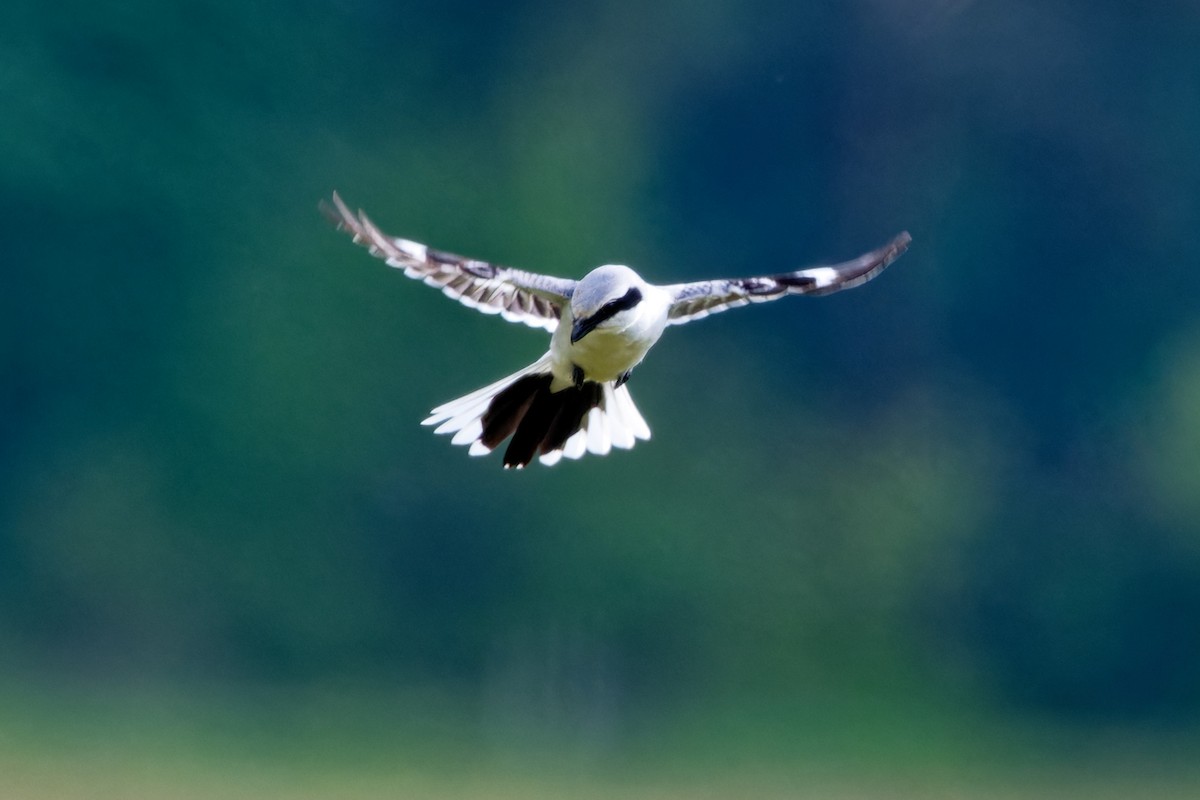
<point x="938" y="536"/>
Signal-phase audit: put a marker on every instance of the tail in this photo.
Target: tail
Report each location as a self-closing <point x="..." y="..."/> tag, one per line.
<point x="592" y="418"/>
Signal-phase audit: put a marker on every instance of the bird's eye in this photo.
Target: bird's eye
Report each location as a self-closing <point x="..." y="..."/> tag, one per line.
<point x="627" y="301"/>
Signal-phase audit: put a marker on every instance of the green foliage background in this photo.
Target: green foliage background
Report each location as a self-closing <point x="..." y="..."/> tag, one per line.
<point x="968" y="491"/>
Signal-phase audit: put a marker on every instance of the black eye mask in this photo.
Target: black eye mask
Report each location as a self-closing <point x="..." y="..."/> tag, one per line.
<point x="610" y="309"/>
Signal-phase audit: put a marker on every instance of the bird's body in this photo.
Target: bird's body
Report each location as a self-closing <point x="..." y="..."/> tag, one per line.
<point x="611" y="349"/>
<point x="574" y="399"/>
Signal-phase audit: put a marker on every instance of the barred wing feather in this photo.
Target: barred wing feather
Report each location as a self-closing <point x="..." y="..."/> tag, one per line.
<point x="698" y="300"/>
<point x="516" y="295"/>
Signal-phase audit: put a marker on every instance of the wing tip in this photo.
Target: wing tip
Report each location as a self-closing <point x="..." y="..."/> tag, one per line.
<point x="355" y="223"/>
<point x="900" y="242"/>
<point x="862" y="269"/>
<point x="333" y="209"/>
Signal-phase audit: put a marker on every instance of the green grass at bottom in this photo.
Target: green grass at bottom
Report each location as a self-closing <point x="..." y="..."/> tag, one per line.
<point x="65" y="743"/>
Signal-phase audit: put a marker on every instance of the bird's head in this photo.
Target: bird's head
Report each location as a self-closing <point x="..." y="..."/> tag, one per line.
<point x="604" y="298"/>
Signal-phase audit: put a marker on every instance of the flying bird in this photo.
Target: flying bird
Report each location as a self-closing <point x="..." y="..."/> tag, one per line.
<point x="574" y="399"/>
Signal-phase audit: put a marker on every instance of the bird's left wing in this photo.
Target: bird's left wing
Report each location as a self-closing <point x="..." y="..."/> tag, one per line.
<point x="696" y="300"/>
<point x="516" y="295"/>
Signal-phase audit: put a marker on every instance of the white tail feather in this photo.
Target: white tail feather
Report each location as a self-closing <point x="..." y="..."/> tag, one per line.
<point x="598" y="441"/>
<point x="467" y="433"/>
<point x="615" y="422"/>
<point x="483" y="396"/>
<point x="576" y="446"/>
<point x="629" y="413"/>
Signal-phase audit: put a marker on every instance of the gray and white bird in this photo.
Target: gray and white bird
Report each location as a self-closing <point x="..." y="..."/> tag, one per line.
<point x="573" y="400"/>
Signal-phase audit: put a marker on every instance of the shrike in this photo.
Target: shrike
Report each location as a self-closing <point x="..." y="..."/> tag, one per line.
<point x="574" y="399"/>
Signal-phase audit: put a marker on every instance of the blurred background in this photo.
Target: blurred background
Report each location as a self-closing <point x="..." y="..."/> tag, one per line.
<point x="938" y="536"/>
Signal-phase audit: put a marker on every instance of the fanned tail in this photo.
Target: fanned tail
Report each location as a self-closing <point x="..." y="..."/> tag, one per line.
<point x="592" y="418"/>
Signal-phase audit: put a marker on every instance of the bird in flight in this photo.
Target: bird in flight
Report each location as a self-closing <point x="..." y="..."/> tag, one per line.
<point x="573" y="400"/>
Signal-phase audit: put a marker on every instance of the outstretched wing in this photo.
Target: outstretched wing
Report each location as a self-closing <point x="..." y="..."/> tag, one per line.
<point x="697" y="300"/>
<point x="516" y="295"/>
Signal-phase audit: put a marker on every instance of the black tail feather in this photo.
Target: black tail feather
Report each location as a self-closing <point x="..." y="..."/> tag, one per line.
<point x="575" y="404"/>
<point x="529" y="434"/>
<point x="539" y="421"/>
<point x="509" y="407"/>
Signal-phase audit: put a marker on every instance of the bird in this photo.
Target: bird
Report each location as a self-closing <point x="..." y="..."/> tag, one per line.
<point x="575" y="398"/>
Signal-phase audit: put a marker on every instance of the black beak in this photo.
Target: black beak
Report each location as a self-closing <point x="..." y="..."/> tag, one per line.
<point x="583" y="327"/>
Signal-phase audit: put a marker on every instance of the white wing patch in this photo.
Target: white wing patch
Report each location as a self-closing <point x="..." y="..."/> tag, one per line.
<point x="824" y="276"/>
<point x="414" y="250"/>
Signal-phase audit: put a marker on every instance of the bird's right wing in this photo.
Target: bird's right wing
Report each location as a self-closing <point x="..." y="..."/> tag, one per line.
<point x="516" y="295"/>
<point x="697" y="300"/>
